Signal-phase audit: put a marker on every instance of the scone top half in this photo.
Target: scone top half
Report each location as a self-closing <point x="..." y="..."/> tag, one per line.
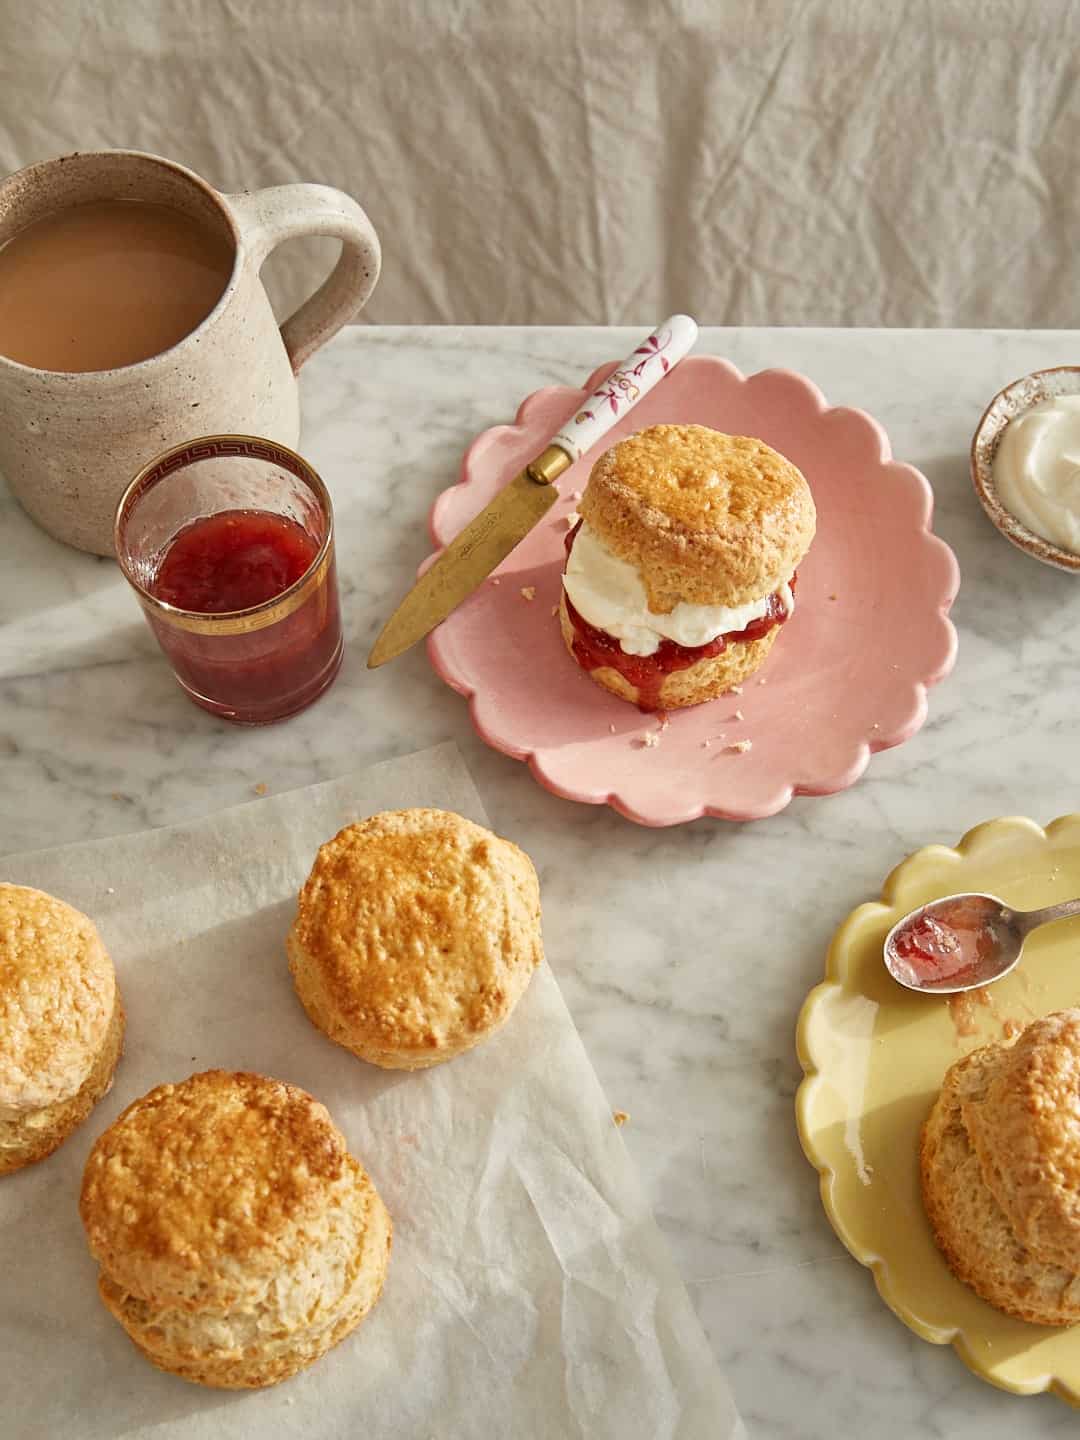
<point x="705" y="518"/>
<point x="1025" y="1131"/>
<point x="416" y="934"/>
<point x="202" y="1192"/>
<point x="58" y="995"/>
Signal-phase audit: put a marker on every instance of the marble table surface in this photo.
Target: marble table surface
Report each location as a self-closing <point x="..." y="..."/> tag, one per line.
<point x="684" y="954"/>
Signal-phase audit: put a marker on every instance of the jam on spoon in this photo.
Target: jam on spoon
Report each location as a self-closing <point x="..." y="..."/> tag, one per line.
<point x="961" y="942"/>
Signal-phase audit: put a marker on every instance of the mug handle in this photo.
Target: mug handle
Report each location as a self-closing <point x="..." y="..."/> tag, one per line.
<point x="283" y="212"/>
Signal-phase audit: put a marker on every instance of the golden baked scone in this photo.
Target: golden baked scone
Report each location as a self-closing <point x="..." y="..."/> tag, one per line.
<point x="238" y="1239"/>
<point x="61" y="1023"/>
<point x="1026" y="1133"/>
<point x="970" y="1227"/>
<point x="416" y="934"/>
<point x="685" y="558"/>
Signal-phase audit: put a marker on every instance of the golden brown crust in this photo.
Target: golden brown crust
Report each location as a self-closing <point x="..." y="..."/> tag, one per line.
<point x="237" y="1237"/>
<point x="1026" y="1133"/>
<point x="35" y="1134"/>
<point x="971" y="1229"/>
<point x="706" y="518"/>
<point x="57" y="998"/>
<point x="200" y="1190"/>
<point x="416" y="934"/>
<point x="704" y="680"/>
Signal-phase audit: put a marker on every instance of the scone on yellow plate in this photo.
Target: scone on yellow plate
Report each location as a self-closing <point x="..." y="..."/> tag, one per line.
<point x="416" y="934"/>
<point x="61" y="1023"/>
<point x="238" y="1239"/>
<point x="1000" y="1165"/>
<point x="682" y="571"/>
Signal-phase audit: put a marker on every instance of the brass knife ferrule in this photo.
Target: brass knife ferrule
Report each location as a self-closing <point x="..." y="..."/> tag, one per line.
<point x="548" y="465"/>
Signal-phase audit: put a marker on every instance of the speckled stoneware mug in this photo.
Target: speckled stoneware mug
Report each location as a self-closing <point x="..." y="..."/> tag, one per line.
<point x="71" y="442"/>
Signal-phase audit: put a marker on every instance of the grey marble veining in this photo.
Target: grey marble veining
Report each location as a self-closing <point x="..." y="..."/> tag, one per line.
<point x="684" y="954"/>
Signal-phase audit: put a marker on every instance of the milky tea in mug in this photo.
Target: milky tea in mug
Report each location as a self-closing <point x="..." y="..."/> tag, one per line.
<point x="106" y="284"/>
<point x="133" y="318"/>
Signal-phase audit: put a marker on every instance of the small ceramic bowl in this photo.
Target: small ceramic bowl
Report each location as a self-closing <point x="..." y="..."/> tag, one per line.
<point x="1006" y="405"/>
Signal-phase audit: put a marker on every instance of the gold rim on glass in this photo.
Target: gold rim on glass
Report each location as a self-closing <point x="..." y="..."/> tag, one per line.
<point x="257" y="617"/>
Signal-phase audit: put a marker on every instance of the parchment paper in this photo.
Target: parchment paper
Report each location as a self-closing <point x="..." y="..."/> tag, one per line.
<point x="530" y="1295"/>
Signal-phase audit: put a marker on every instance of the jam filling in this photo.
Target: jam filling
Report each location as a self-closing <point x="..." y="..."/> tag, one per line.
<point x="594" y="648"/>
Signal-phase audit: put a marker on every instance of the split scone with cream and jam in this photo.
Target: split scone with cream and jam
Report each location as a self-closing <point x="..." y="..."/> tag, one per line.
<point x="682" y="569"/>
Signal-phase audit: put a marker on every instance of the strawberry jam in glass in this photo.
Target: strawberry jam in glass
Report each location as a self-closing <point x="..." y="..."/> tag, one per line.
<point x="228" y="541"/>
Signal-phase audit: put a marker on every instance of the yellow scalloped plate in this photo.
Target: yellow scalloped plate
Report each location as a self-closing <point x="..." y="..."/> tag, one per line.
<point x="874" y="1056"/>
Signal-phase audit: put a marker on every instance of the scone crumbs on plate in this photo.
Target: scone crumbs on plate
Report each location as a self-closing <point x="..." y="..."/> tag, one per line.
<point x="740" y="747"/>
<point x="528" y="592"/>
<point x="620" y="1117"/>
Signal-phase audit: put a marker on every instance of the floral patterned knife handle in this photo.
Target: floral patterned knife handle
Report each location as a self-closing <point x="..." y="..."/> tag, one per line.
<point x="626" y="385"/>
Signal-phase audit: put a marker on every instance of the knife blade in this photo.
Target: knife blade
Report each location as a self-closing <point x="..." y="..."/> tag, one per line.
<point x="505" y="521"/>
<point x="468" y="560"/>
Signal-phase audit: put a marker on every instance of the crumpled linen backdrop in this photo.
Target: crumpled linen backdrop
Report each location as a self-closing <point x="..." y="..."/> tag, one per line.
<point x="830" y="162"/>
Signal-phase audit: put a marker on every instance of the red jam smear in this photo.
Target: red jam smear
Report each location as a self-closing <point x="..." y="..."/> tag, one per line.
<point x="233" y="561"/>
<point x="236" y="560"/>
<point x="947" y="945"/>
<point x="595" y="648"/>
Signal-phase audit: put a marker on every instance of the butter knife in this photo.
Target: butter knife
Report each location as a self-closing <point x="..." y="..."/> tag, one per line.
<point x="503" y="523"/>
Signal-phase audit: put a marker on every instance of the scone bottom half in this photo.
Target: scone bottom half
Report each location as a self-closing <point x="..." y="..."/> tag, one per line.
<point x="1000" y="1172"/>
<point x="237" y="1238"/>
<point x="416" y="934"/>
<point x="691" y="540"/>
<point x="61" y="1023"/>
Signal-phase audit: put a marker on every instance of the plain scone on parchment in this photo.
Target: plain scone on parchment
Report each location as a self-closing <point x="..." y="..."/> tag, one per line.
<point x="416" y="934"/>
<point x="61" y="1023"/>
<point x="1000" y="1169"/>
<point x="238" y="1239"/>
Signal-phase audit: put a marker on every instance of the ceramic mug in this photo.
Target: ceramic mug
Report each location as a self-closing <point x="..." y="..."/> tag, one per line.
<point x="70" y="442"/>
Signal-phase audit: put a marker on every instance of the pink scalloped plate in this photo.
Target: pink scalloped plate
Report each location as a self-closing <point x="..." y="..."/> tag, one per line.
<point x="847" y="676"/>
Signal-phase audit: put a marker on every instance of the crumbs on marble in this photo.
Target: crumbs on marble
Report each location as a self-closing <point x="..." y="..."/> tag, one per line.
<point x="261" y="788"/>
<point x="528" y="592"/>
<point x="109" y="890"/>
<point x="620" y="1117"/>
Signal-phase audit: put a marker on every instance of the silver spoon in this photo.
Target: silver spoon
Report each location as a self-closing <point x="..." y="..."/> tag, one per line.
<point x="969" y="967"/>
